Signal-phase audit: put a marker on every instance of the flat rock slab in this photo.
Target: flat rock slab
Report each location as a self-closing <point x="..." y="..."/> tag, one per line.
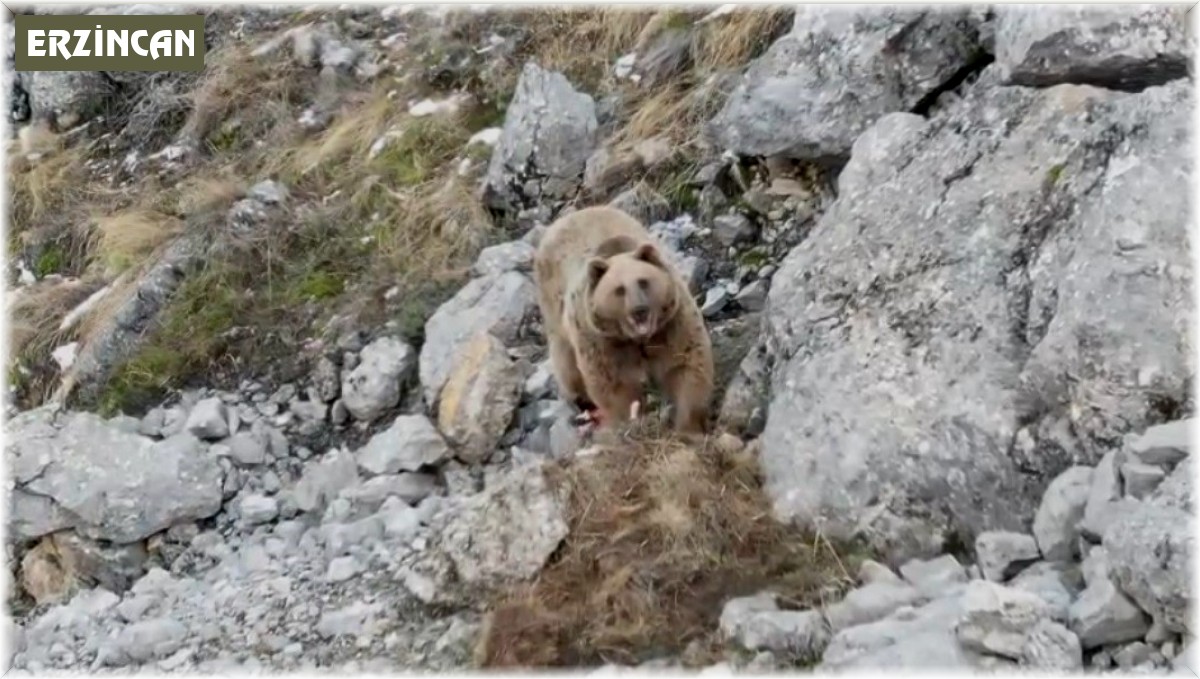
<point x="75" y="470"/>
<point x="1003" y="554"/>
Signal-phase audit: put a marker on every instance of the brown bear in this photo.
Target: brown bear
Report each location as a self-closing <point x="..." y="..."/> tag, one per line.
<point x="617" y="312"/>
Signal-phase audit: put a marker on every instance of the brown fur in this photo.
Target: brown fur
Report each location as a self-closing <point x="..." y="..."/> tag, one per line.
<point x="598" y="269"/>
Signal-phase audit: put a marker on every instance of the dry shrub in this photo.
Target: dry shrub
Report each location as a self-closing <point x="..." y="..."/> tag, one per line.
<point x="661" y="534"/>
<point x="678" y="108"/>
<point x="670" y="110"/>
<point x="581" y="43"/>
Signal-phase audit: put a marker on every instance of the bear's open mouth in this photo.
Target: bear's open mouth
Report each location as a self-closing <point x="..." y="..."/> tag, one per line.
<point x="643" y="328"/>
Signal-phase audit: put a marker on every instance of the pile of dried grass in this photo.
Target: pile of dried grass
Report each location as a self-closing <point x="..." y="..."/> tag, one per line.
<point x="661" y="535"/>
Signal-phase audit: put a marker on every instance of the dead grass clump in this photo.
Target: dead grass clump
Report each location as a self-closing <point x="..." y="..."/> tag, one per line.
<point x="581" y="43"/>
<point x="36" y="313"/>
<point x="661" y="535"/>
<point x="732" y="40"/>
<point x="245" y="99"/>
<point x="125" y="239"/>
<point x="352" y="134"/>
<point x="42" y="186"/>
<point x="433" y="230"/>
<point x="206" y="195"/>
<point x="37" y="310"/>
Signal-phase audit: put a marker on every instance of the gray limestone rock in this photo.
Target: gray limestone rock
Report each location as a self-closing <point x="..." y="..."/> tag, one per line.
<point x="209" y="420"/>
<point x="494" y="260"/>
<point x="999" y="619"/>
<point x="1139" y="480"/>
<point x="1003" y="554"/>
<point x="838" y="71"/>
<point x="479" y="398"/>
<point x="1052" y="647"/>
<point x="73" y="470"/>
<point x="870" y="603"/>
<point x="1103" y="615"/>
<point x="878" y="402"/>
<point x="1056" y="524"/>
<point x="549" y="132"/>
<point x="1163" y="443"/>
<point x="1103" y="496"/>
<point x="376" y="383"/>
<point x="495" y="304"/>
<point x="412" y="442"/>
<point x="324" y="479"/>
<point x="1150" y="551"/>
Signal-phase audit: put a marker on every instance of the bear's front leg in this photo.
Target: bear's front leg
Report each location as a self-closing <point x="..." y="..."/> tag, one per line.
<point x="689" y="388"/>
<point x="613" y="381"/>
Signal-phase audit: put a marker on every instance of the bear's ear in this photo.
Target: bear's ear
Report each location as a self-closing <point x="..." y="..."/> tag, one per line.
<point x="648" y="252"/>
<point x="597" y="266"/>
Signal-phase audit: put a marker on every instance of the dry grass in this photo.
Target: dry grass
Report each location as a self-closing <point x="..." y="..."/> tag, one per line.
<point x="436" y="230"/>
<point x="732" y="40"/>
<point x="43" y="186"/>
<point x="35" y="313"/>
<point x="205" y="195"/>
<point x="351" y="135"/>
<point x="661" y="535"/>
<point x="257" y="94"/>
<point x="678" y="108"/>
<point x="126" y="239"/>
<point x="37" y="310"/>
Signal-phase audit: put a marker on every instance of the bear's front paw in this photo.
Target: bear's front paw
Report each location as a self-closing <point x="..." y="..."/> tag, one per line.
<point x="589" y="420"/>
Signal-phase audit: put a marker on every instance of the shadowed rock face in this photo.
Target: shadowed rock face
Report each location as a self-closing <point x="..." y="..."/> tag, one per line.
<point x="1005" y="297"/>
<point x="1113" y="47"/>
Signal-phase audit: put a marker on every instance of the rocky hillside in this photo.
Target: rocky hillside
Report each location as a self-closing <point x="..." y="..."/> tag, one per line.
<point x="278" y="396"/>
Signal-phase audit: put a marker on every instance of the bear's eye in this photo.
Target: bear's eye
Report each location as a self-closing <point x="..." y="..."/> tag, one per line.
<point x="620" y="291"/>
<point x="643" y="284"/>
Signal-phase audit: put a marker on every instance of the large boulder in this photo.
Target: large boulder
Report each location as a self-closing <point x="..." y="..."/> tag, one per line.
<point x="1121" y="47"/>
<point x="76" y="470"/>
<point x="495" y="304"/>
<point x="1006" y="298"/>
<point x="549" y="132"/>
<point x="838" y="71"/>
<point x="486" y="540"/>
<point x="480" y="398"/>
<point x="1150" y="549"/>
<point x="66" y="97"/>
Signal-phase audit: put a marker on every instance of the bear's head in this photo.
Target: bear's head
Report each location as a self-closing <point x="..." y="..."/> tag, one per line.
<point x="633" y="293"/>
